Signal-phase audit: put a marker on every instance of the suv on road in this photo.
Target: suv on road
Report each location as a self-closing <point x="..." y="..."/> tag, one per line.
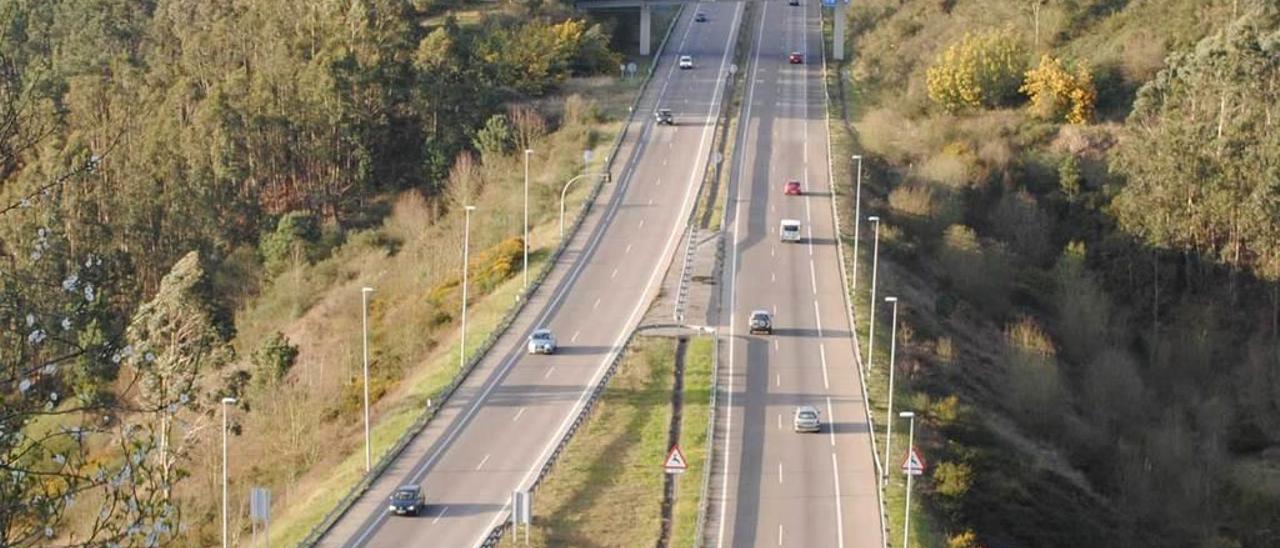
<point x="760" y="322"/>
<point x="806" y="419"/>
<point x="542" y="342"/>
<point x="408" y="499"/>
<point x="664" y="117"/>
<point x="700" y="17"/>
<point x="789" y="230"/>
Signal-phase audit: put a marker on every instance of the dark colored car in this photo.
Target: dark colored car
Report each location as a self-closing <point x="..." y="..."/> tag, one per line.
<point x="791" y="188"/>
<point x="796" y="58"/>
<point x="760" y="322"/>
<point x="407" y="499"/>
<point x="664" y="117"/>
<point x="700" y="17"/>
<point x="793" y="2"/>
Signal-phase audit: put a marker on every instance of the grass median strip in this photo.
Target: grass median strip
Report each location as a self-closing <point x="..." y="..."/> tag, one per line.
<point x="606" y="489"/>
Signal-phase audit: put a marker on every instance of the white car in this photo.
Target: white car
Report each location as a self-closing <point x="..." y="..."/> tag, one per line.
<point x="686" y="61"/>
<point x="789" y="230"/>
<point x="542" y="342"/>
<point x="806" y="419"/>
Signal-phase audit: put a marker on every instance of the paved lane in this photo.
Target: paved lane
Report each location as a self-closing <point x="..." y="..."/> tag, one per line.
<point x="502" y="424"/>
<point x="776" y="487"/>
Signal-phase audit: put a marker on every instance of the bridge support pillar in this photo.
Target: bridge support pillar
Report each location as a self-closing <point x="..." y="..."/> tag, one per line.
<point x="646" y="22"/>
<point x="837" y="37"/>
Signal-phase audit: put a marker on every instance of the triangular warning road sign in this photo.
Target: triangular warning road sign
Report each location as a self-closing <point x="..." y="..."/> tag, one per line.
<point x="914" y="463"/>
<point x="675" y="463"/>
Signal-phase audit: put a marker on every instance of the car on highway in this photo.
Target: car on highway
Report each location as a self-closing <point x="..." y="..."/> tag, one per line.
<point x="793" y="2"/>
<point x="789" y="230"/>
<point x="664" y="117"/>
<point x="796" y="58"/>
<point x="791" y="188"/>
<point x="760" y="322"/>
<point x="686" y="61"/>
<point x="408" y="499"/>
<point x="806" y="419"/>
<point x="700" y="17"/>
<point x="542" y="342"/>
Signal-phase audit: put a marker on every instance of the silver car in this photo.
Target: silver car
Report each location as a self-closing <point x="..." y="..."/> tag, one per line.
<point x="542" y="342"/>
<point x="806" y="419"/>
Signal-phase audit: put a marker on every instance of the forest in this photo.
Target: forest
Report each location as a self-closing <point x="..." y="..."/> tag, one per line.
<point x="164" y="162"/>
<point x="1084" y="214"/>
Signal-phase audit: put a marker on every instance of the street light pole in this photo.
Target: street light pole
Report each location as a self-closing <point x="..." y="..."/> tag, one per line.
<point x="225" y="402"/>
<point x="911" y="446"/>
<point x="564" y="192"/>
<point x="364" y="309"/>
<point x="466" y="259"/>
<point x="875" y="266"/>
<point x="857" y="218"/>
<point x="893" y="349"/>
<point x="527" y="153"/>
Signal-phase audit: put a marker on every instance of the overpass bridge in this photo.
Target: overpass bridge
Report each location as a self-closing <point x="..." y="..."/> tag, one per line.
<point x="646" y="17"/>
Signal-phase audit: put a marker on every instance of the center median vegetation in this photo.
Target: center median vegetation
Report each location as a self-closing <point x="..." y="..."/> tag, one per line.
<point x="607" y="487"/>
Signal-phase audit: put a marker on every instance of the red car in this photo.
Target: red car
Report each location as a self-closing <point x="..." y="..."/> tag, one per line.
<point x="791" y="188"/>
<point x="796" y="58"/>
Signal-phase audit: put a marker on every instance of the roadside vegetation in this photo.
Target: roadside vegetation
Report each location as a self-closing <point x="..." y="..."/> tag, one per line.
<point x="1080" y="210"/>
<point x="191" y="198"/>
<point x="607" y="487"/>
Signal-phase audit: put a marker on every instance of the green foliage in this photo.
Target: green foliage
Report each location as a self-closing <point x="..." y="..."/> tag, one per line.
<point x="292" y="242"/>
<point x="1034" y="386"/>
<point x="495" y="138"/>
<point x="1202" y="154"/>
<point x="1058" y="94"/>
<point x="1020" y="222"/>
<point x="497" y="264"/>
<point x="981" y="70"/>
<point x="1070" y="181"/>
<point x="952" y="479"/>
<point x="272" y="360"/>
<point x="980" y="272"/>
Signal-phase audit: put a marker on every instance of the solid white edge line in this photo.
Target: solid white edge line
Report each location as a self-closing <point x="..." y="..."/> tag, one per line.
<point x="733" y="295"/>
<point x="649" y="285"/>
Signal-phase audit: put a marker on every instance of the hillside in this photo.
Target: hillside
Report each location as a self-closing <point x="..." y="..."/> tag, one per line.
<point x="1081" y="219"/>
<point x="192" y="195"/>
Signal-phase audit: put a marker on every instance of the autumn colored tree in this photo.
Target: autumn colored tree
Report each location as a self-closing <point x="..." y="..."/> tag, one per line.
<point x="981" y="70"/>
<point x="1058" y="94"/>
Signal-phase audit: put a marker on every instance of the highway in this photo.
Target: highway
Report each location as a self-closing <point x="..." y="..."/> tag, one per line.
<point x="770" y="485"/>
<point x="498" y="429"/>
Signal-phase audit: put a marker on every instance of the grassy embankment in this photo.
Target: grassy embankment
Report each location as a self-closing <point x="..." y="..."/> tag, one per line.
<point x="1008" y="408"/>
<point x="306" y="444"/>
<point x="606" y="489"/>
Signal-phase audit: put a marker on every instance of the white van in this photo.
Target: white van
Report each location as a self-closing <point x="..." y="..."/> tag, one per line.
<point x="789" y="230"/>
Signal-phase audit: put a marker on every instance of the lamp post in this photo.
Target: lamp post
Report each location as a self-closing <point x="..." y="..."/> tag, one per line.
<point x="911" y="446"/>
<point x="857" y="218"/>
<point x="364" y="314"/>
<point x="225" y="403"/>
<point x="893" y="348"/>
<point x="875" y="266"/>
<point x="466" y="259"/>
<point x="527" y="152"/>
<point x="565" y="192"/>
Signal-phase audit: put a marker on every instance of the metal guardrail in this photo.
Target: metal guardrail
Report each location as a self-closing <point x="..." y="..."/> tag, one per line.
<point x="495" y="536"/>
<point x="447" y="391"/>
<point x="704" y="505"/>
<point x="848" y="303"/>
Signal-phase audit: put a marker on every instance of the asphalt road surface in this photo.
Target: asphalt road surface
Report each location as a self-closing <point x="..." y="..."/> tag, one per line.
<point x="772" y="486"/>
<point x="499" y="428"/>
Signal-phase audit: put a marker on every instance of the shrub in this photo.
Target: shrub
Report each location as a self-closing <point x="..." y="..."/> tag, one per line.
<point x="1034" y="386"/>
<point x="1060" y="95"/>
<point x="952" y="479"/>
<point x="272" y="360"/>
<point x="955" y="166"/>
<point x="981" y="70"/>
<point x="292" y="242"/>
<point x="495" y="138"/>
<point x="965" y="539"/>
<point x="981" y="275"/>
<point x="925" y="209"/>
<point x="1070" y="181"/>
<point x="497" y="264"/>
<point x="1018" y="220"/>
<point x="1083" y="309"/>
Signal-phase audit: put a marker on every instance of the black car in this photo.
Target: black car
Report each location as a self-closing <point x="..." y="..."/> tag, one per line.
<point x="664" y="117"/>
<point x="407" y="500"/>
<point x="700" y="17"/>
<point x="793" y="2"/>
